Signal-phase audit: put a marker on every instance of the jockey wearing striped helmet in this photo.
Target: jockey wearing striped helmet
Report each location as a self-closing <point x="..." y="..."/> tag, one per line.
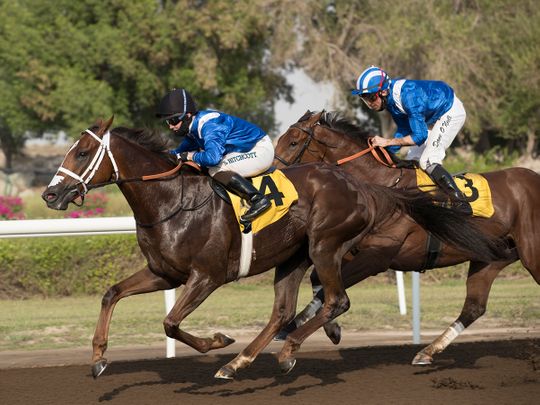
<point x="428" y="116"/>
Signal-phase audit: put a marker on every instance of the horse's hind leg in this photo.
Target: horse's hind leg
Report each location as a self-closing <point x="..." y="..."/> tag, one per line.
<point x="143" y="281"/>
<point x="479" y="281"/>
<point x="527" y="239"/>
<point x="287" y="280"/>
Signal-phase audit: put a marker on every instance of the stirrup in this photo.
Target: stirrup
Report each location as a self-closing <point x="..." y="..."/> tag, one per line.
<point x="462" y="207"/>
<point x="256" y="209"/>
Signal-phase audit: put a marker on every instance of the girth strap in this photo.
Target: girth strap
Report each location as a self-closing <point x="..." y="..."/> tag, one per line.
<point x="433" y="248"/>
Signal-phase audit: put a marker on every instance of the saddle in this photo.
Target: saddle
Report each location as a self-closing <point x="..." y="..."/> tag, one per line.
<point x="474" y="187"/>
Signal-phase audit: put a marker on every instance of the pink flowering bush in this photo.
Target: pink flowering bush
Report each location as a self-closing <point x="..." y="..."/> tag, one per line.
<point x="11" y="208"/>
<point x="94" y="205"/>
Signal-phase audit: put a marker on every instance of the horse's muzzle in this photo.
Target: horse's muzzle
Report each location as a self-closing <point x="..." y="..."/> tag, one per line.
<point x="59" y="200"/>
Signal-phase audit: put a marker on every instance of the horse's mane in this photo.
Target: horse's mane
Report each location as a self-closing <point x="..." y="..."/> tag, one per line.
<point x="336" y="121"/>
<point x="149" y="139"/>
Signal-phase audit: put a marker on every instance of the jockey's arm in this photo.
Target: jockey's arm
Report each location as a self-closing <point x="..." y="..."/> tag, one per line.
<point x="383" y="142"/>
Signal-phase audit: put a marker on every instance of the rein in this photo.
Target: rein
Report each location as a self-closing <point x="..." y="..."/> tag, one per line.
<point x="373" y="149"/>
<point x="181" y="207"/>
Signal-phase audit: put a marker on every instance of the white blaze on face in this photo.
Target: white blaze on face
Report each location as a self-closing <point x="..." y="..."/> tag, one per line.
<point x="57" y="179"/>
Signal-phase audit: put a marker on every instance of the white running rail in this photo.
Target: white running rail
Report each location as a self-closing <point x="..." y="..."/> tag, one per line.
<point x="112" y="225"/>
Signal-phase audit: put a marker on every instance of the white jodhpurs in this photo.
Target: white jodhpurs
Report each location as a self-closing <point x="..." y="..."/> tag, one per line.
<point x="440" y="137"/>
<point x="247" y="164"/>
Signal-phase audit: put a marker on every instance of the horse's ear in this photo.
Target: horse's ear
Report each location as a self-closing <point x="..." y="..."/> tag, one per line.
<point x="104" y="126"/>
<point x="306" y="116"/>
<point x="322" y="117"/>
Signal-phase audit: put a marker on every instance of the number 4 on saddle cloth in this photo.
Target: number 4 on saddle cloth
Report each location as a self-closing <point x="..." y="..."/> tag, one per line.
<point x="278" y="189"/>
<point x="474" y="186"/>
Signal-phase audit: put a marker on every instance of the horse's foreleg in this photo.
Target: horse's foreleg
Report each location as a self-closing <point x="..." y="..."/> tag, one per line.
<point x="286" y="283"/>
<point x="196" y="290"/>
<point x="336" y="301"/>
<point x="143" y="281"/>
<point x="369" y="264"/>
<point x="479" y="281"/>
<point x="309" y="311"/>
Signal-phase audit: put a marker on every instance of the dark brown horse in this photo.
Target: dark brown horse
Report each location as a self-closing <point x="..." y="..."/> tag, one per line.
<point x="190" y="236"/>
<point x="326" y="137"/>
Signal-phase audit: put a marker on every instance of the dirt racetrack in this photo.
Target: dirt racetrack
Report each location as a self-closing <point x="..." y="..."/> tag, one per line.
<point x="488" y="372"/>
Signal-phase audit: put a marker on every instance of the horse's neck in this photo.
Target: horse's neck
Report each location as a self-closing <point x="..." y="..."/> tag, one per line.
<point x="389" y="177"/>
<point x="152" y="199"/>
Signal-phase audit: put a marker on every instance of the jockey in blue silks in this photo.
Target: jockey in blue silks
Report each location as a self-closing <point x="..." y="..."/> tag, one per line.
<point x="229" y="147"/>
<point x="428" y="116"/>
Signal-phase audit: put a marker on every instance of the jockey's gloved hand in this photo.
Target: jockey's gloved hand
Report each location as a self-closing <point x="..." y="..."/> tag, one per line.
<point x="179" y="156"/>
<point x="182" y="156"/>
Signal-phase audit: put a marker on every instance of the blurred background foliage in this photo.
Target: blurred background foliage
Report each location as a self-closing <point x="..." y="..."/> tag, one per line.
<point x="64" y="63"/>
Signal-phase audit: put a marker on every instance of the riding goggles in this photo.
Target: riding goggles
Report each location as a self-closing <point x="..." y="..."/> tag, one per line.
<point x="173" y="121"/>
<point x="370" y="97"/>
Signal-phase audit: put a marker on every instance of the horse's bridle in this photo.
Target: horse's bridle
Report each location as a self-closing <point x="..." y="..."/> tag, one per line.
<point x="105" y="148"/>
<point x="88" y="174"/>
<point x="310" y="137"/>
<point x="373" y="149"/>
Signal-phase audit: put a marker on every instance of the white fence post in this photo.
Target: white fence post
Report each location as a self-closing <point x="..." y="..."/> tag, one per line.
<point x="401" y="293"/>
<point x="170" y="298"/>
<point x="416" y="306"/>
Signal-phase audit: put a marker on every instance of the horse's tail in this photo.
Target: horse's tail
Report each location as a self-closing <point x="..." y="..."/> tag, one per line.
<point x="450" y="226"/>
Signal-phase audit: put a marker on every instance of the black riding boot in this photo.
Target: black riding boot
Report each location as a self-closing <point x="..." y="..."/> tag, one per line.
<point x="445" y="180"/>
<point x="243" y="188"/>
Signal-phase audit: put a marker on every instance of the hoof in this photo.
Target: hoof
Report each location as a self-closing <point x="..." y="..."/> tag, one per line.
<point x="226" y="340"/>
<point x="99" y="367"/>
<point x="281" y="336"/>
<point x="333" y="331"/>
<point x="422" y="359"/>
<point x="287" y="365"/>
<point x="225" y="373"/>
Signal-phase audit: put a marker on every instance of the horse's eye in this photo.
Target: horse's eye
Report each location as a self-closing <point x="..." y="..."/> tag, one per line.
<point x="82" y="154"/>
<point x="293" y="144"/>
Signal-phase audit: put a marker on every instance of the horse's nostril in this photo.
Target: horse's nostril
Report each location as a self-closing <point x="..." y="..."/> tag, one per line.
<point x="48" y="197"/>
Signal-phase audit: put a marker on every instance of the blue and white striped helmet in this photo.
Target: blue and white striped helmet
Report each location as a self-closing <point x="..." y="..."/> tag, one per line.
<point x="372" y="80"/>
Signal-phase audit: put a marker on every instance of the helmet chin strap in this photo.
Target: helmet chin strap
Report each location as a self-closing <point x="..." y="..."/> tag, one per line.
<point x="384" y="101"/>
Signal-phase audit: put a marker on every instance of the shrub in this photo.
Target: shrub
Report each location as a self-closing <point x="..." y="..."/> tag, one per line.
<point x="11" y="208"/>
<point x="64" y="266"/>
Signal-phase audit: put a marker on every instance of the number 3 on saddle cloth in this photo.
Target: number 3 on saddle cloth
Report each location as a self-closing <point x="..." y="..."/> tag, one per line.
<point x="278" y="189"/>
<point x="474" y="186"/>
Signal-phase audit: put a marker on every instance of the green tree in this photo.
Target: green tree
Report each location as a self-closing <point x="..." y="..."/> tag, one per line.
<point x="477" y="47"/>
<point x="64" y="64"/>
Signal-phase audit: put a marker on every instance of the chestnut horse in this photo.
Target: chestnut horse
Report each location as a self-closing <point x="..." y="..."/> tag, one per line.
<point x="189" y="235"/>
<point x="327" y="137"/>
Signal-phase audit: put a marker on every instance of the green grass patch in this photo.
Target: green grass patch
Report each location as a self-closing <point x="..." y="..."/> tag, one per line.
<point x="70" y="321"/>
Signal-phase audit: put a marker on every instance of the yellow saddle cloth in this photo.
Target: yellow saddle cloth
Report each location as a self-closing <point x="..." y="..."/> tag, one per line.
<point x="474" y="186"/>
<point x="281" y="192"/>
